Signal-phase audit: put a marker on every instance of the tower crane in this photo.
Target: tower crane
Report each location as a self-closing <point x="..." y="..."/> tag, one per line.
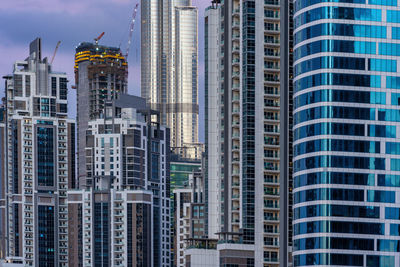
<point x="55" y="51"/>
<point x="131" y="26"/>
<point x="98" y="38"/>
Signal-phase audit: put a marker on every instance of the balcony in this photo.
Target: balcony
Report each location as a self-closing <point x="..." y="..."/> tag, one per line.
<point x="271" y="218"/>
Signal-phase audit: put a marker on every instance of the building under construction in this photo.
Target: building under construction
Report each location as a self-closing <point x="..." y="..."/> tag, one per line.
<point x="100" y="74"/>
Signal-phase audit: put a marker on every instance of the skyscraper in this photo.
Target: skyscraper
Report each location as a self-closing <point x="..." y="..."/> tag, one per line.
<point x="38" y="151"/>
<point x="248" y="127"/>
<point x="346" y="124"/>
<point x="127" y="172"/>
<point x="100" y="75"/>
<point x="169" y="66"/>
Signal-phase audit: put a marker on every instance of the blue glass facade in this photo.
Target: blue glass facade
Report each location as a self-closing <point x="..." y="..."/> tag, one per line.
<point x="346" y="121"/>
<point x="46" y="233"/>
<point x="45" y="156"/>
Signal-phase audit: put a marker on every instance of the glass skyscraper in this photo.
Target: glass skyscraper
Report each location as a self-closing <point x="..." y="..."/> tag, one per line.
<point x="169" y="68"/>
<point x="346" y="121"/>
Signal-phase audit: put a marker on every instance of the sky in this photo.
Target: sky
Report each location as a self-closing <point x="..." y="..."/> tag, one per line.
<point x="75" y="21"/>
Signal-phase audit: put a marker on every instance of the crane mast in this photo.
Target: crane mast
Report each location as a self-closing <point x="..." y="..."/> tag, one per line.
<point x="131" y="26"/>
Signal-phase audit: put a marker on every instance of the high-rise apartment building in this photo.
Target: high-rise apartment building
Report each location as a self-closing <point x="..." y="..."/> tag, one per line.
<point x="3" y="186"/>
<point x="169" y="66"/>
<point x="100" y="74"/>
<point x="37" y="150"/>
<point x="247" y="89"/>
<point x="122" y="218"/>
<point x="346" y="128"/>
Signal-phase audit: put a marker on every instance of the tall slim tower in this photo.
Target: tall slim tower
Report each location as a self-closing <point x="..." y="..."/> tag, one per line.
<point x="100" y="74"/>
<point x="247" y="107"/>
<point x="37" y="149"/>
<point x="169" y="66"/>
<point x="346" y="129"/>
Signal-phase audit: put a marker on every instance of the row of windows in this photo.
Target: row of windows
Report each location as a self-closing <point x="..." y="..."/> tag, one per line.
<point x="329" y="161"/>
<point x="345" y="46"/>
<point x="330" y="259"/>
<point x="340" y="29"/>
<point x="341" y="46"/>
<point x="329" y="62"/>
<point x="334" y="178"/>
<point x="344" y="195"/>
<point x="324" y="210"/>
<point x="300" y="4"/>
<point x="340" y="227"/>
<point x="329" y="194"/>
<point x="333" y="243"/>
<point x="320" y="112"/>
<point x="346" y="113"/>
<point x="337" y="145"/>
<point x="331" y="95"/>
<point x="343" y="260"/>
<point x="343" y="79"/>
<point x="329" y="128"/>
<point x="335" y="12"/>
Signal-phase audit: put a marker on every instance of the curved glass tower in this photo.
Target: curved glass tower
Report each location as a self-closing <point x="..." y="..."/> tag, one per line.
<point x="346" y="131"/>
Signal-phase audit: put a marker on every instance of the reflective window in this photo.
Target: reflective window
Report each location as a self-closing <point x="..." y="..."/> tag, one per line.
<point x="339" y="227"/>
<point x="395" y="229"/>
<point x="334" y="178"/>
<point x="383" y="2"/>
<point x="328" y="259"/>
<point x="380" y="261"/>
<point x="392" y="213"/>
<point x="388" y="245"/>
<point x="393" y="16"/>
<point x="388" y="131"/>
<point x="337" y="145"/>
<point x="341" y="162"/>
<point x="338" y="79"/>
<point x="333" y="243"/>
<point x="389" y="49"/>
<point x="299" y="4"/>
<point x="329" y="194"/>
<point x="334" y="12"/>
<point x="329" y="62"/>
<point x="336" y="211"/>
<point x="387" y="65"/>
<point x="344" y="46"/>
<point x="392" y="148"/>
<point x="338" y="29"/>
<point x="341" y="113"/>
<point x="393" y="82"/>
<point x="388" y="180"/>
<point x="381" y="196"/>
<point x="329" y="128"/>
<point x="331" y="95"/>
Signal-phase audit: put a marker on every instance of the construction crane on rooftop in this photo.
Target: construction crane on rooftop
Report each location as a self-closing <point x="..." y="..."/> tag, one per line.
<point x="55" y="52"/>
<point x="98" y="38"/>
<point x="131" y="26"/>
